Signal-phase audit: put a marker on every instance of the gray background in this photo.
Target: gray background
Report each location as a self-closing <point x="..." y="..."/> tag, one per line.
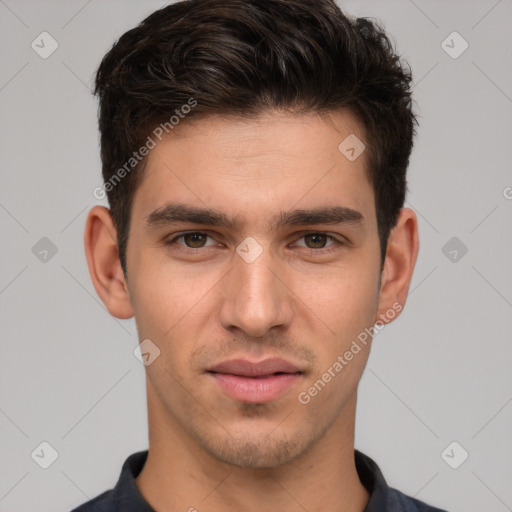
<point x="440" y="373"/>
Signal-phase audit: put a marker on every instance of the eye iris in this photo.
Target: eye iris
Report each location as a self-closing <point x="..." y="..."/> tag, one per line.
<point x="318" y="240"/>
<point x="197" y="240"/>
<point x="192" y="239"/>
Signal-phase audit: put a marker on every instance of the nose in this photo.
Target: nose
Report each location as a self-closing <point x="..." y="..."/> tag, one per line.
<point x="256" y="297"/>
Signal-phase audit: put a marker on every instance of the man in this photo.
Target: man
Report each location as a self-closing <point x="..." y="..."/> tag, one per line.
<point x="254" y="156"/>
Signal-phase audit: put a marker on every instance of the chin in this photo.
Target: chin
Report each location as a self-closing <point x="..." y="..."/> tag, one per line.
<point x="251" y="453"/>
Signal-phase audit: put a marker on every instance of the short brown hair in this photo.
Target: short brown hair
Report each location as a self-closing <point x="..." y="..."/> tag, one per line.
<point x="246" y="57"/>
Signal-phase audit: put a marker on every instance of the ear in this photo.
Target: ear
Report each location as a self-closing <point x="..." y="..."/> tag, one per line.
<point x="401" y="253"/>
<point x="100" y="241"/>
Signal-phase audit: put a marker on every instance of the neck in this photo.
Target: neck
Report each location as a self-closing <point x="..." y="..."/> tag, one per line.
<point x="179" y="475"/>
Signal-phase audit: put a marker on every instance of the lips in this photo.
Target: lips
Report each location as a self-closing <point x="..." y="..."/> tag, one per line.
<point x="255" y="382"/>
<point x="244" y="368"/>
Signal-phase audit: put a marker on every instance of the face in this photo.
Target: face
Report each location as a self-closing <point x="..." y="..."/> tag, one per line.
<point x="252" y="300"/>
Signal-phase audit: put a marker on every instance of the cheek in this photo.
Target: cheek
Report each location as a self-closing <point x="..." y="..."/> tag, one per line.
<point x="341" y="301"/>
<point x="171" y="304"/>
<point x="347" y="303"/>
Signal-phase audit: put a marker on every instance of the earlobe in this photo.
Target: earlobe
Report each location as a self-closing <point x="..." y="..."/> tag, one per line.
<point x="100" y="241"/>
<point x="401" y="255"/>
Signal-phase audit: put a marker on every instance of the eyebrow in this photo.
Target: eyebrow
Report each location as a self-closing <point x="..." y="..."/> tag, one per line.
<point x="173" y="213"/>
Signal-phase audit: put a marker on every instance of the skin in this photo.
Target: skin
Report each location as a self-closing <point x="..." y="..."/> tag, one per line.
<point x="303" y="299"/>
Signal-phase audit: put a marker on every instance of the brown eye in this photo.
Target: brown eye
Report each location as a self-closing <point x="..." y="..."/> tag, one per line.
<point x="318" y="240"/>
<point x="194" y="240"/>
<point x="319" y="243"/>
<point x="190" y="242"/>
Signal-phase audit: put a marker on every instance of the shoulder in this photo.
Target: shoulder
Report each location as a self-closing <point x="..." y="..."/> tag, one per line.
<point x="400" y="502"/>
<point x="102" y="503"/>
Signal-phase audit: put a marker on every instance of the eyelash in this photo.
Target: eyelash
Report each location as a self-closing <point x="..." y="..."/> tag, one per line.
<point x="190" y="250"/>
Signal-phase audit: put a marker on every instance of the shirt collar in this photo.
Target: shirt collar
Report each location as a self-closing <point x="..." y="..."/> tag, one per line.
<point x="372" y="478"/>
<point x="128" y="498"/>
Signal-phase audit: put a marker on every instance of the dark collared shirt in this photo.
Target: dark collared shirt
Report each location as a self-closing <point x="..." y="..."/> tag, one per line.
<point x="125" y="497"/>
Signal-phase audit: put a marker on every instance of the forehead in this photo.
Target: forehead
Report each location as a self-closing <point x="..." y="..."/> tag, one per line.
<point x="257" y="165"/>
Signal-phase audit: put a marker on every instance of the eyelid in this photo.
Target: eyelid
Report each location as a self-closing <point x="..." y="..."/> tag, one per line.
<point x="334" y="236"/>
<point x="184" y="233"/>
<point x="328" y="235"/>
<point x="337" y="241"/>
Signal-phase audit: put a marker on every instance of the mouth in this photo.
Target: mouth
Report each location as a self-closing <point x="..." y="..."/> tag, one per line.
<point x="255" y="382"/>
